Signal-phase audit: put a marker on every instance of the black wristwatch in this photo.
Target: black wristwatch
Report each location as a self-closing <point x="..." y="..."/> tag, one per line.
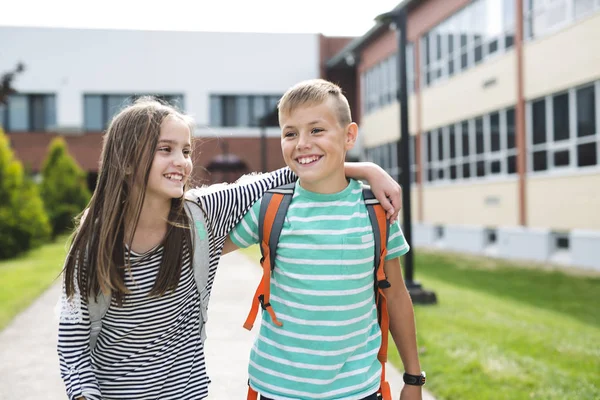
<point x="415" y="380"/>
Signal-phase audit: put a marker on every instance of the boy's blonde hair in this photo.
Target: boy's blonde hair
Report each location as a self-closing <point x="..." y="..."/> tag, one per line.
<point x="315" y="92"/>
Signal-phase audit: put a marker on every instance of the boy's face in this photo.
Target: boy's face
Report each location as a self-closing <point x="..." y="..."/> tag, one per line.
<point x="314" y="146"/>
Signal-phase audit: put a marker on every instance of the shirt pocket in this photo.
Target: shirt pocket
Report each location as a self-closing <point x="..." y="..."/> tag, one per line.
<point x="357" y="254"/>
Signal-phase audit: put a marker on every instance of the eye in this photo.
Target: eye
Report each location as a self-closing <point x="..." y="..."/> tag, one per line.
<point x="289" y="134"/>
<point x="165" y="149"/>
<point x="314" y="131"/>
<point x="187" y="152"/>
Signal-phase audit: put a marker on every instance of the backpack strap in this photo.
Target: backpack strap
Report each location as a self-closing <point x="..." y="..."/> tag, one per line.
<point x="381" y="230"/>
<point x="273" y="208"/>
<point x="97" y="308"/>
<point x="200" y="259"/>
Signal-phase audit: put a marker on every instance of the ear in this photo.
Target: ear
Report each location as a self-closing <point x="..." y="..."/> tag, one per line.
<point x="351" y="135"/>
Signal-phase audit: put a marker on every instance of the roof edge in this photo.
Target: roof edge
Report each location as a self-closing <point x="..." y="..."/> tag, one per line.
<point x="340" y="59"/>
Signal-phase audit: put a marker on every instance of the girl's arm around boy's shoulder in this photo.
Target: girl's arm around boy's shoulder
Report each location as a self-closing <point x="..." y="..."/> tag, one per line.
<point x="226" y="204"/>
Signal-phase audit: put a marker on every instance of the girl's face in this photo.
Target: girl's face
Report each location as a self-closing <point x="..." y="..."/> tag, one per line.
<point x="172" y="164"/>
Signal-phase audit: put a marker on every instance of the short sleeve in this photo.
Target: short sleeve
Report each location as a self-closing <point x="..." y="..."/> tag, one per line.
<point x="397" y="245"/>
<point x="245" y="232"/>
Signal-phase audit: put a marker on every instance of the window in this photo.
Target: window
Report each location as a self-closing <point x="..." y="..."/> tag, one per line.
<point x="542" y="17"/>
<point x="380" y="83"/>
<point x="511" y="142"/>
<point x="242" y="110"/>
<point x="494" y="157"/>
<point x="491" y="236"/>
<point x="564" y="129"/>
<point x="586" y="125"/>
<point x="583" y="7"/>
<point x="478" y="31"/>
<point x="28" y="112"/>
<point x="386" y="156"/>
<point x="465" y="133"/>
<point x="99" y="109"/>
<point x="429" y="156"/>
<point x="414" y="166"/>
<point x="453" y="139"/>
<point x="472" y="149"/>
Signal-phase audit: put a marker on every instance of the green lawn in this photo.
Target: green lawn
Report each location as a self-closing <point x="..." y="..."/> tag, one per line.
<point x="501" y="331"/>
<point x="24" y="278"/>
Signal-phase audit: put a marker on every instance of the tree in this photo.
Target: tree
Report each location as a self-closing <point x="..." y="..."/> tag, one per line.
<point x="6" y="80"/>
<point x="23" y="221"/>
<point x="64" y="188"/>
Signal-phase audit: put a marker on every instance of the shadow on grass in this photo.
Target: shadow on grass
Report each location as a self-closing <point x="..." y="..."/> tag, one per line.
<point x="575" y="296"/>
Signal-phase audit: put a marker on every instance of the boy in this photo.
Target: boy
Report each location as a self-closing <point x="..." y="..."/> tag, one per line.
<point x="322" y="287"/>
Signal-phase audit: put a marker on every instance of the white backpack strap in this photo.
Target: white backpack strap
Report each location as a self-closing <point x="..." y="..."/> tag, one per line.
<point x="200" y="259"/>
<point x="97" y="308"/>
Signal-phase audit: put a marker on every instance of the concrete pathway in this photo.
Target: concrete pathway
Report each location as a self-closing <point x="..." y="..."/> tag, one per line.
<point x="28" y="358"/>
<point x="29" y="363"/>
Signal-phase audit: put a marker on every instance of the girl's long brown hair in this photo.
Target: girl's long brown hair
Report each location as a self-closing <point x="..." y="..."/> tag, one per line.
<point x="99" y="258"/>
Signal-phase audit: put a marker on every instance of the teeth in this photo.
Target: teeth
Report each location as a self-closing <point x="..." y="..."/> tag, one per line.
<point x="307" y="160"/>
<point x="174" y="177"/>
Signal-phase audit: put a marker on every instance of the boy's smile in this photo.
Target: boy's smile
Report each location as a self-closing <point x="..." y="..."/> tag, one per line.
<point x="314" y="146"/>
<point x="308" y="160"/>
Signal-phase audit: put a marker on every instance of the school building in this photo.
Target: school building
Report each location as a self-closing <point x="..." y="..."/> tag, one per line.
<point x="504" y="110"/>
<point x="76" y="80"/>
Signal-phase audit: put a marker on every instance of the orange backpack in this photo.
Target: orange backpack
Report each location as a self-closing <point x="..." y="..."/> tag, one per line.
<point x="273" y="210"/>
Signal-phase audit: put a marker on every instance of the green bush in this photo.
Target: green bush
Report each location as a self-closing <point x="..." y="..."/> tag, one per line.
<point x="23" y="221"/>
<point x="64" y="188"/>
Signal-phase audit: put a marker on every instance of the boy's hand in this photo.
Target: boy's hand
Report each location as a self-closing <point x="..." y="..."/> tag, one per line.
<point x="410" y="392"/>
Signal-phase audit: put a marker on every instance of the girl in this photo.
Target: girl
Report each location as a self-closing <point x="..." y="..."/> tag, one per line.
<point x="133" y="243"/>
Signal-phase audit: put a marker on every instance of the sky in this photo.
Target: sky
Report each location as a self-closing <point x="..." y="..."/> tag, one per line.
<point x="330" y="17"/>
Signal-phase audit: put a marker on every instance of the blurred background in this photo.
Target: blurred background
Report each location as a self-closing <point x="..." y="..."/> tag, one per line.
<point x="502" y="109"/>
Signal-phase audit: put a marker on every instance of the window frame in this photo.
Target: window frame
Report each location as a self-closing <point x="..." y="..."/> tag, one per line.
<point x="572" y="143"/>
<point x="532" y="13"/>
<point x="48" y="112"/>
<point x="472" y="159"/>
<point x="436" y="70"/>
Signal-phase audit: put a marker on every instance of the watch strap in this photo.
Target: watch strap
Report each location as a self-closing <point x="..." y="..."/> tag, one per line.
<point x="415" y="380"/>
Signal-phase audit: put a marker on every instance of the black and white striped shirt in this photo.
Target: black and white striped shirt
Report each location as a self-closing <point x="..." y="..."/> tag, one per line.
<point x="150" y="348"/>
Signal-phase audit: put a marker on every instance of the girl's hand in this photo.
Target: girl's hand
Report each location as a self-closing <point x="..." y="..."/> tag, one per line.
<point x="386" y="189"/>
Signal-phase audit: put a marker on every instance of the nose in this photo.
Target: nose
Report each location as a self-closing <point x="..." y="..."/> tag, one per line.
<point x="179" y="159"/>
<point x="303" y="141"/>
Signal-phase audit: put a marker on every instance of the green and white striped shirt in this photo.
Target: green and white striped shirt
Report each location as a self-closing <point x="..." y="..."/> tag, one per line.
<point x="322" y="290"/>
